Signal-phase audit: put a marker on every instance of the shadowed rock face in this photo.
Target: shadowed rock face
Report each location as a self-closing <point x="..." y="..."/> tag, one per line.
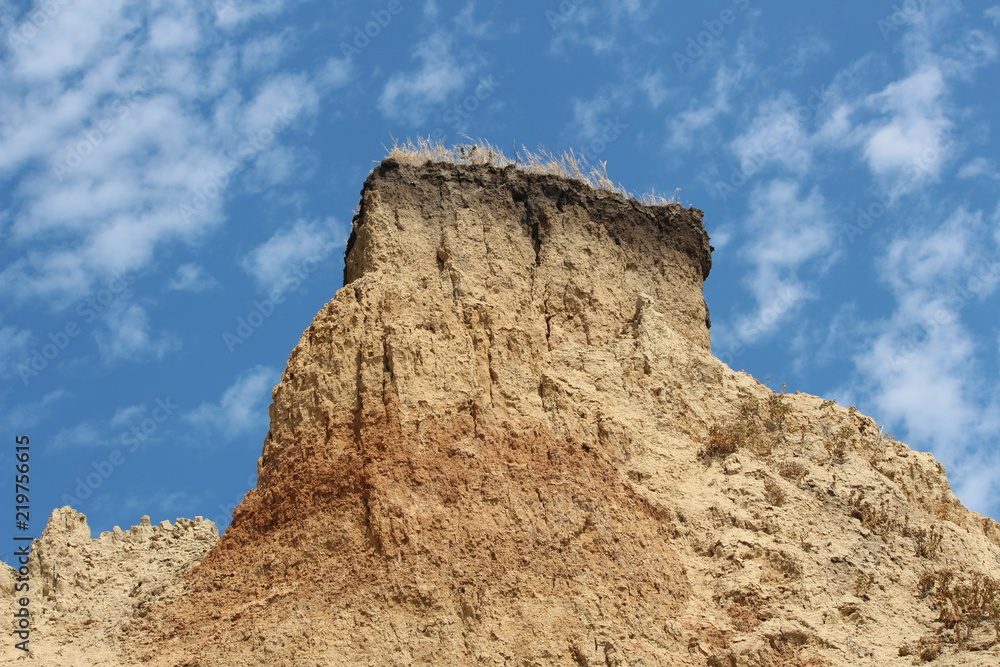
<point x="506" y="442"/>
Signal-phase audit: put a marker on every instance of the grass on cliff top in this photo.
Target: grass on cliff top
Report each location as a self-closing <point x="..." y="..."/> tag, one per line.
<point x="542" y="161"/>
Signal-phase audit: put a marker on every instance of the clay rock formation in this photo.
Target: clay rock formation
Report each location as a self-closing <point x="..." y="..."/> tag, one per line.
<point x="506" y="441"/>
<point x="86" y="593"/>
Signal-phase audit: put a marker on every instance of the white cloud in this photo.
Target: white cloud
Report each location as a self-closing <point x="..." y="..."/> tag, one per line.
<point x="191" y="278"/>
<point x="466" y="22"/>
<point x="791" y="235"/>
<point x="128" y="416"/>
<point x="13" y="347"/>
<point x="241" y="408"/>
<point x="413" y="95"/>
<point x="170" y="34"/>
<point x="280" y="98"/>
<point x="993" y="13"/>
<point x="921" y="366"/>
<point x="689" y="128"/>
<point x="597" y="122"/>
<point x="775" y="135"/>
<point x="233" y="14"/>
<point x="27" y="415"/>
<point x="604" y="28"/>
<point x="946" y="257"/>
<point x="288" y="250"/>
<point x="83" y="434"/>
<point x="127" y="335"/>
<point x="73" y="36"/>
<point x="113" y="150"/>
<point x="335" y="73"/>
<point x="904" y="361"/>
<point x="264" y="53"/>
<point x="653" y="85"/>
<point x="915" y="135"/>
<point x="979" y="166"/>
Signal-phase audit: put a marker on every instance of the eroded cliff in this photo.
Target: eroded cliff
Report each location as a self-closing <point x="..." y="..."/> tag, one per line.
<point x="506" y="441"/>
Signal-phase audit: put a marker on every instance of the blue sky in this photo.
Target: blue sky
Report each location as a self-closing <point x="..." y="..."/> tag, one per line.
<point x="178" y="181"/>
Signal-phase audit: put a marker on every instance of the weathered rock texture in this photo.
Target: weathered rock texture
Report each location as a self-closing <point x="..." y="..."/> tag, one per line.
<point x="506" y="442"/>
<point x="86" y="594"/>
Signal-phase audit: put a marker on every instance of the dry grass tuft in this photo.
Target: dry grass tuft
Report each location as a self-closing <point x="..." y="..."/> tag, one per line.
<point x="793" y="471"/>
<point x="863" y="584"/>
<point x="964" y="603"/>
<point x="542" y="161"/>
<point x="759" y="426"/>
<point x="773" y="493"/>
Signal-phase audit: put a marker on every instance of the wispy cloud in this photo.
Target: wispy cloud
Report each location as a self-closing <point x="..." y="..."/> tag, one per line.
<point x="13" y="346"/>
<point x="232" y="14"/>
<point x="979" y="166"/>
<point x="241" y="408"/>
<point x="792" y="240"/>
<point x="84" y="434"/>
<point x="128" y="335"/>
<point x="124" y="131"/>
<point x="272" y="262"/>
<point x="922" y="366"/>
<point x="915" y="128"/>
<point x="412" y="96"/>
<point x="191" y="278"/>
<point x="696" y="125"/>
<point x="26" y="415"/>
<point x="776" y="134"/>
<point x="604" y="28"/>
<point x="264" y="53"/>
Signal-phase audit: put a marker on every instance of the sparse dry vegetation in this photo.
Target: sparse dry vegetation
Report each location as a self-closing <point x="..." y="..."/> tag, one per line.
<point x="927" y="541"/>
<point x="884" y="522"/>
<point x="793" y="471"/>
<point x="964" y="603"/>
<point x="863" y="584"/>
<point x="758" y="427"/>
<point x="773" y="493"/>
<point x="541" y="161"/>
<point x="839" y="443"/>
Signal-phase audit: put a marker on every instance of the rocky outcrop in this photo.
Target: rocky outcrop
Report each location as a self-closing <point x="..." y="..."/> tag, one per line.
<point x="506" y="441"/>
<point x="85" y="594"/>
